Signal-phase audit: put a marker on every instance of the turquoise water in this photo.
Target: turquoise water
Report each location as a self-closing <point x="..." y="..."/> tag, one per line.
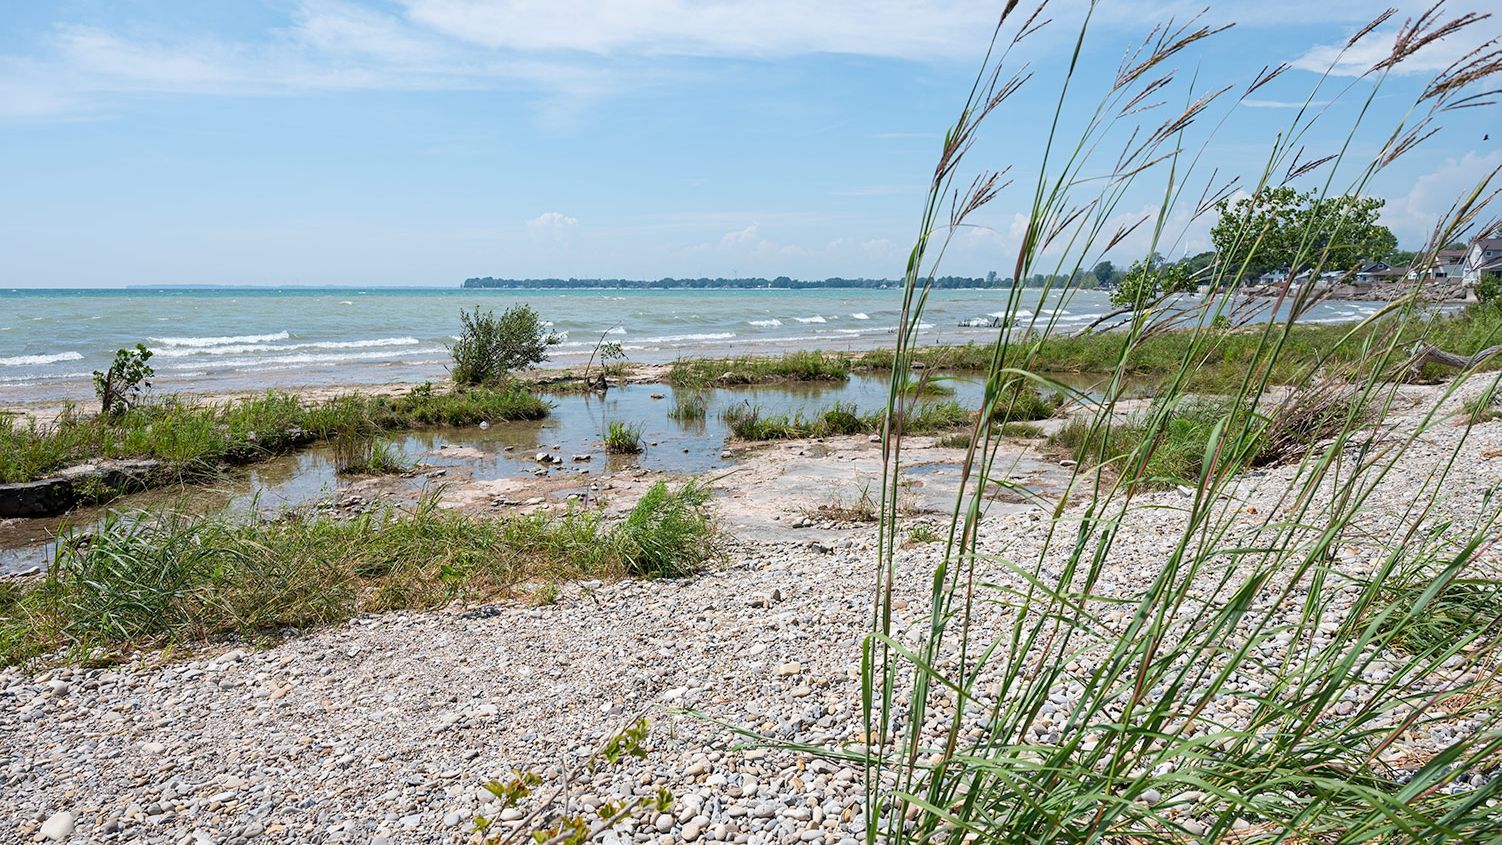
<point x="253" y="338"/>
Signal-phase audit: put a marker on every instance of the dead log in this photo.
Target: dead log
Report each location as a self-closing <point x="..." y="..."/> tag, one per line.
<point x="1428" y="353"/>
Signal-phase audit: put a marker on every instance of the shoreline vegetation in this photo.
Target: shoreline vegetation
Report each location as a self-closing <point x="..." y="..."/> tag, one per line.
<point x="173" y="577"/>
<point x="196" y="438"/>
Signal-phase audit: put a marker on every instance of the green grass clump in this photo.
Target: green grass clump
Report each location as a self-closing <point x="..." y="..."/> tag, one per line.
<point x="688" y="406"/>
<point x="1424" y="615"/>
<point x="150" y="579"/>
<point x="364" y="455"/>
<point x="793" y="366"/>
<point x="623" y="438"/>
<point x="193" y="439"/>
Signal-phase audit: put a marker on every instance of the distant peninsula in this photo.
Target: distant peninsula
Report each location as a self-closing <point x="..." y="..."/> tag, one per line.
<point x="779" y="283"/>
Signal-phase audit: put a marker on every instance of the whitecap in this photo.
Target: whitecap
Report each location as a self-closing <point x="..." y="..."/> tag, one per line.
<point x="814" y="319"/>
<point x="616" y="330"/>
<point x="681" y="338"/>
<point x="252" y="348"/>
<point x="34" y="360"/>
<point x="309" y="358"/>
<point x="219" y="341"/>
<point x="860" y="315"/>
<point x="771" y="324"/>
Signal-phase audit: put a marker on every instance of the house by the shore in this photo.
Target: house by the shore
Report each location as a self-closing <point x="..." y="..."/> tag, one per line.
<point x="1483" y="258"/>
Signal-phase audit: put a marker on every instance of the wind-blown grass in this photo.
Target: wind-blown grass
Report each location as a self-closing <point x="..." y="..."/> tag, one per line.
<point x="193" y="439"/>
<point x="1178" y="666"/>
<point x="141" y="579"/>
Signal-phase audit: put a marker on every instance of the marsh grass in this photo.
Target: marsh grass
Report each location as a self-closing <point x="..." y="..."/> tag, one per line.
<point x="789" y="367"/>
<point x="149" y="579"/>
<point x="622" y="438"/>
<point x="748" y="422"/>
<point x="1074" y="687"/>
<point x="197" y="439"/>
<point x="689" y="406"/>
<point x="364" y="454"/>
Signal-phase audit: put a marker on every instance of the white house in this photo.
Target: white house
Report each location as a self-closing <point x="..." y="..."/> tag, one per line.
<point x="1484" y="257"/>
<point x="1448" y="265"/>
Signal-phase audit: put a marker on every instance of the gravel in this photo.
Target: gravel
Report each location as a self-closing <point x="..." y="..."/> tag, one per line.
<point x="385" y="729"/>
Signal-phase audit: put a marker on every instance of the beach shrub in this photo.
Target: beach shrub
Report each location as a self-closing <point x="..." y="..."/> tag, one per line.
<point x="122" y="385"/>
<point x="491" y="348"/>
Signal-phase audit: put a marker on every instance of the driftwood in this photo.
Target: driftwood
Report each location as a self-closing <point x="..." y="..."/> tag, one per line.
<point x="1428" y="353"/>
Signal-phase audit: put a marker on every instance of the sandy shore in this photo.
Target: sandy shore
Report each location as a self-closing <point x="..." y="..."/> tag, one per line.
<point x="384" y="730"/>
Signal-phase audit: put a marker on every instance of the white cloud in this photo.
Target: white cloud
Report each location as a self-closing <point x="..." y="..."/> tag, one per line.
<point x="1253" y="103"/>
<point x="1377" y="46"/>
<point x="1413" y="216"/>
<point x="551" y="225"/>
<point x="739" y="236"/>
<point x="893" y="28"/>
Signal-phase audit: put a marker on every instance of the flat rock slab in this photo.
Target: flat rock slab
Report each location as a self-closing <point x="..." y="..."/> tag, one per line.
<point x="75" y="485"/>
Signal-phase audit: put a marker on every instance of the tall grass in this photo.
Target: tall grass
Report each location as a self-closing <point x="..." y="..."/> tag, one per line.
<point x="1181" y="666"/>
<point x="143" y="579"/>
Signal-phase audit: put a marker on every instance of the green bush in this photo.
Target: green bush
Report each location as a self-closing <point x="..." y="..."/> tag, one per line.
<point x="128" y="377"/>
<point x="491" y="348"/>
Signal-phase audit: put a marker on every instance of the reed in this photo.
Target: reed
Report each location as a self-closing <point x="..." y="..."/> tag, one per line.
<point x="1044" y="697"/>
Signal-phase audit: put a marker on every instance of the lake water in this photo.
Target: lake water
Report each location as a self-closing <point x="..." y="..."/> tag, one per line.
<point x="221" y="340"/>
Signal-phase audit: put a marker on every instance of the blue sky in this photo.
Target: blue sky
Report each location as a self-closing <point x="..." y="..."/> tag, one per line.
<point x="424" y="141"/>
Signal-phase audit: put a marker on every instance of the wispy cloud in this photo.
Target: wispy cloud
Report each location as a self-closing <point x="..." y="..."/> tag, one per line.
<point x="551" y="225"/>
<point x="1253" y="103"/>
<point x="893" y="28"/>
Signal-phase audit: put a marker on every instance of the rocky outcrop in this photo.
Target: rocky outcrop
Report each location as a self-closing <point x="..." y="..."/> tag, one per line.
<point x="75" y="486"/>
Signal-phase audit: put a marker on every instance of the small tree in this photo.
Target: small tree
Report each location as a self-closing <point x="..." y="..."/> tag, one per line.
<point x="1146" y="281"/>
<point x="490" y="347"/>
<point x="127" y="378"/>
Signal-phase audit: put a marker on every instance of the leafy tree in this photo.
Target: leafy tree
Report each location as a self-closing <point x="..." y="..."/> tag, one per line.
<point x="1280" y="228"/>
<point x="1104" y="272"/>
<point x="1147" y="281"/>
<point x="128" y="377"/>
<point x="490" y="347"/>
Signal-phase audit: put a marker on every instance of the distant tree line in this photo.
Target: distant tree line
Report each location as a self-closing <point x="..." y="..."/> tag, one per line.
<point x="991" y="280"/>
<point x="1275" y="229"/>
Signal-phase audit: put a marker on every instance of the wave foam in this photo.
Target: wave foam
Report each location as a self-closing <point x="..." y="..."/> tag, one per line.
<point x="219" y="341"/>
<point x="768" y="324"/>
<point x="860" y="315"/>
<point x="250" y="348"/>
<point x="814" y="319"/>
<point x="34" y="360"/>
